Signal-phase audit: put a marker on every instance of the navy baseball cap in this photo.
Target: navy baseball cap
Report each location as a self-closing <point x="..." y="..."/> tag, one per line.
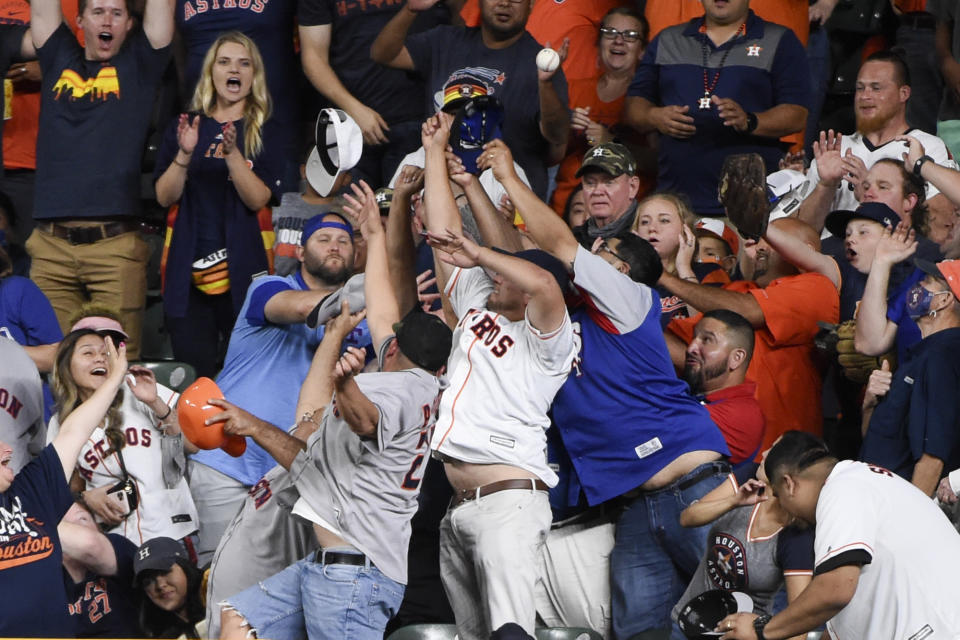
<point x="700" y="615"/>
<point x="157" y="554"/>
<point x="317" y="222"/>
<point x="836" y="222"/>
<point x="546" y="262"/>
<point x="424" y="339"/>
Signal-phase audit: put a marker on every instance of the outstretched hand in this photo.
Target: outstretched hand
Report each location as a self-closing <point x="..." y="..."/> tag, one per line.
<point x="341" y="325"/>
<point x="826" y="152"/>
<point x="895" y="245"/>
<point x="563" y="51"/>
<point x="435" y="131"/>
<point x="351" y="363"/>
<point x="455" y="248"/>
<point x="497" y="157"/>
<point x="362" y="205"/>
<point x="914" y="152"/>
<point x="236" y="421"/>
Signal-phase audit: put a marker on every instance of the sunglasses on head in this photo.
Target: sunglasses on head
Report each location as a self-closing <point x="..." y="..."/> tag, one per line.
<point x="630" y="35"/>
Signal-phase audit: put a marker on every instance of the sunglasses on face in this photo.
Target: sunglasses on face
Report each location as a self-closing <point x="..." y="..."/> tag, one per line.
<point x="630" y="35"/>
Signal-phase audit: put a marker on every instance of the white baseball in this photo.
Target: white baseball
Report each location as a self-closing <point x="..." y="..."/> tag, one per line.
<point x="548" y="59"/>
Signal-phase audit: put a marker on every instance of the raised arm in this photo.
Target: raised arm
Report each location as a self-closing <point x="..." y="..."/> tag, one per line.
<point x="401" y="251"/>
<point x="382" y="308"/>
<point x="495" y="230"/>
<point x="816" y="206"/>
<point x="875" y="333"/>
<point x="546" y="228"/>
<point x="545" y="309"/>
<point x="315" y="57"/>
<point x="317" y="388"/>
<point x="722" y="499"/>
<point x="389" y="49"/>
<point x="89" y="547"/>
<point x="252" y="191"/>
<point x="79" y="425"/>
<point x="45" y="17"/>
<point x="707" y="298"/>
<point x="440" y="209"/>
<point x="801" y="255"/>
<point x="943" y="178"/>
<point x="158" y="22"/>
<point x="169" y="186"/>
<point x="554" y="113"/>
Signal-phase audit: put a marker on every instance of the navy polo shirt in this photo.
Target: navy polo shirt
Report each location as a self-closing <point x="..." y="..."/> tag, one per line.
<point x="921" y="412"/>
<point x="764" y="67"/>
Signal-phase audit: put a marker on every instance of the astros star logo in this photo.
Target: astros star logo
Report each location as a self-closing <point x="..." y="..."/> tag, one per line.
<point x="598" y="152"/>
<point x="754" y="50"/>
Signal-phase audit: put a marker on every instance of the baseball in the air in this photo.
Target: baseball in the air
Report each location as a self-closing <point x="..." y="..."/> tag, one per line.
<point x="548" y="59"/>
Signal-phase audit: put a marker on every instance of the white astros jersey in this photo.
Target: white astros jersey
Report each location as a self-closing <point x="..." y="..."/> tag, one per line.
<point x="844" y="198"/>
<point x="163" y="510"/>
<point x="503" y="377"/>
<point x="366" y="489"/>
<point x="910" y="588"/>
<point x="21" y="404"/>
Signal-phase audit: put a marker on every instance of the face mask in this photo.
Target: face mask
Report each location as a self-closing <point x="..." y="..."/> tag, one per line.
<point x="919" y="300"/>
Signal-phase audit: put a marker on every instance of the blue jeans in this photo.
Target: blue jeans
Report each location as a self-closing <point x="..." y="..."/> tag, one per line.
<point x="654" y="557"/>
<point x="320" y="601"/>
<point x="818" y="57"/>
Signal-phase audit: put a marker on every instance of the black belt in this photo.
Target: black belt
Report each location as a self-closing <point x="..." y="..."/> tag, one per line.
<point x="87" y="234"/>
<point x="709" y="468"/>
<point x="919" y="20"/>
<point x="341" y="557"/>
<point x="703" y="474"/>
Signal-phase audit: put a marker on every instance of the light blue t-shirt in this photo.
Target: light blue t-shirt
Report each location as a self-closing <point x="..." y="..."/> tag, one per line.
<point x="265" y="365"/>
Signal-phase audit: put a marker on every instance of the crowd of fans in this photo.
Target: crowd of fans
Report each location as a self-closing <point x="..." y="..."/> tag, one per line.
<point x="496" y="344"/>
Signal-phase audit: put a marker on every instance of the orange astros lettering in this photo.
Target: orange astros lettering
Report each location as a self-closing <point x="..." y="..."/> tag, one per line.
<point x="72" y="86"/>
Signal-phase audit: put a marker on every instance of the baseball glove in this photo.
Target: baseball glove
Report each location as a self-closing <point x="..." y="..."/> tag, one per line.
<point x="856" y="366"/>
<point x="743" y="193"/>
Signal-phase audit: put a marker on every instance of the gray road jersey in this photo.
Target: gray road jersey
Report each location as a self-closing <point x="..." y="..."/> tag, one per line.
<point x="262" y="540"/>
<point x="21" y="404"/>
<point x="368" y="488"/>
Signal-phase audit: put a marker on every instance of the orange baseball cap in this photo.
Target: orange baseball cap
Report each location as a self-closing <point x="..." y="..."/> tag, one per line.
<point x="193" y="411"/>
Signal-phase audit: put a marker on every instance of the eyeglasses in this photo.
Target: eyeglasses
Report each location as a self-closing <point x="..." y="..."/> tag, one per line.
<point x="605" y="248"/>
<point x="630" y="35"/>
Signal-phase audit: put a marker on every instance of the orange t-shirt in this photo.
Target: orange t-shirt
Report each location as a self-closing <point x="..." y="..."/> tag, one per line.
<point x="20" y="131"/>
<point x="582" y="93"/>
<point x="784" y="364"/>
<point x="552" y="21"/>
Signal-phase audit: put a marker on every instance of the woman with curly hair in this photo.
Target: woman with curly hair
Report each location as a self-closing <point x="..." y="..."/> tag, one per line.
<point x="214" y="164"/>
<point x="130" y="470"/>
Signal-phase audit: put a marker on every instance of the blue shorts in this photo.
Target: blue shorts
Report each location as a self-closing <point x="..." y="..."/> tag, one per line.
<point x="320" y="601"/>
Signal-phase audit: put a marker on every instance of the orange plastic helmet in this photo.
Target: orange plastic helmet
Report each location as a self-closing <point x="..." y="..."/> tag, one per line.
<point x="194" y="409"/>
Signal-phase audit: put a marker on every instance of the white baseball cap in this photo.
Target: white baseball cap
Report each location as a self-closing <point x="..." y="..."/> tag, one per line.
<point x="339" y="146"/>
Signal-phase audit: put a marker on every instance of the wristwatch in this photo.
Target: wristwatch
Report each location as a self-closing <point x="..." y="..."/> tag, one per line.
<point x="918" y="165"/>
<point x="751" y="122"/>
<point x="759" y="624"/>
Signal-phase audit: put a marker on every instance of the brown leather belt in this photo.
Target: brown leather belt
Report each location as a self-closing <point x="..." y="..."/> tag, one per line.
<point x="87" y="234"/>
<point x="465" y="495"/>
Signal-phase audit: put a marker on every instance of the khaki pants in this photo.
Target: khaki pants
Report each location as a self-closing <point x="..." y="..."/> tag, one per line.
<point x="489" y="560"/>
<point x="110" y="272"/>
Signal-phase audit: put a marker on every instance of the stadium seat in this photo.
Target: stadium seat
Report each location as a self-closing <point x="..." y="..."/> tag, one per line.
<point x="425" y="632"/>
<point x="567" y="633"/>
<point x="175" y="375"/>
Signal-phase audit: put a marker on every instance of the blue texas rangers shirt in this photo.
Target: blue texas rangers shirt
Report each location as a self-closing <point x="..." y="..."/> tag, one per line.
<point x="265" y="365"/>
<point x="623" y="414"/>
